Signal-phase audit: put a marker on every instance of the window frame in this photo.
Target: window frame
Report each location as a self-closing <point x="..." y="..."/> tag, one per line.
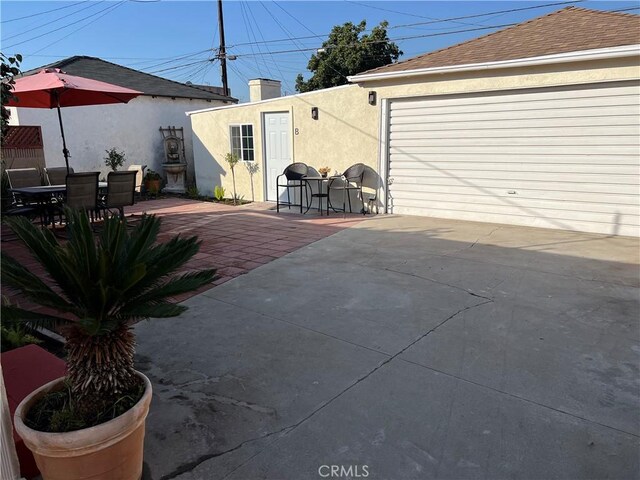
<point x="242" y="138"/>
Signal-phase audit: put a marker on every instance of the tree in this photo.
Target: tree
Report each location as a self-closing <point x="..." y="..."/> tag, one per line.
<point x="348" y="52"/>
<point x="232" y="159"/>
<point x="10" y="68"/>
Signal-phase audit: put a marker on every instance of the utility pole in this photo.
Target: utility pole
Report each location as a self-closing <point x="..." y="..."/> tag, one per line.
<point x="222" y="53"/>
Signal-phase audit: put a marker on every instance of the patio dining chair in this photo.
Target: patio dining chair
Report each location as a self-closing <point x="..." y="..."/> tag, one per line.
<point x="57" y="175"/>
<point x="293" y="177"/>
<point x="121" y="189"/>
<point x="20" y="178"/>
<point x="350" y="180"/>
<point x="82" y="192"/>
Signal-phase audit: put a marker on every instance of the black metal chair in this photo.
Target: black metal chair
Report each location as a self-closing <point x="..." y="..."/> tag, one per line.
<point x="121" y="189"/>
<point x="293" y="178"/>
<point x="350" y="180"/>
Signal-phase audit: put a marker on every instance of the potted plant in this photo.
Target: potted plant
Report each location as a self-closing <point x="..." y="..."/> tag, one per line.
<point x="324" y="171"/>
<point x="114" y="159"/>
<point x="90" y="423"/>
<point x="152" y="182"/>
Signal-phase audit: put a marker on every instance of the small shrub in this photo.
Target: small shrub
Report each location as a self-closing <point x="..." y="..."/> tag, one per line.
<point x="114" y="159"/>
<point x="219" y="193"/>
<point x="193" y="192"/>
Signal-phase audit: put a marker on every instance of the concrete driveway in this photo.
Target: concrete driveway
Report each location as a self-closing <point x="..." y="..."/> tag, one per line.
<point x="406" y="348"/>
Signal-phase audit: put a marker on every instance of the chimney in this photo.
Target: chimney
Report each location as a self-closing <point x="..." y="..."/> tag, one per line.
<point x="263" y="89"/>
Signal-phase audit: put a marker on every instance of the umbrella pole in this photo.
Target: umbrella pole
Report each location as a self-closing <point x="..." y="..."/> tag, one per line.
<point x="65" y="152"/>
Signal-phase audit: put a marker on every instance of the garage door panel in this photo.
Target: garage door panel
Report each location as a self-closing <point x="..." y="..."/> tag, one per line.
<point x="508" y="185"/>
<point x="572" y="131"/>
<point x="505" y="200"/>
<point x="436" y="191"/>
<point x="508" y="158"/>
<point x="543" y="150"/>
<point x="523" y="123"/>
<point x="476" y="140"/>
<point x="523" y="167"/>
<point x="425" y="175"/>
<point x="507" y="115"/>
<point x="510" y="98"/>
<point x="546" y="105"/>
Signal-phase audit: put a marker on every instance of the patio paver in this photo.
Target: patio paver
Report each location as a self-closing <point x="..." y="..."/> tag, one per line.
<point x="235" y="239"/>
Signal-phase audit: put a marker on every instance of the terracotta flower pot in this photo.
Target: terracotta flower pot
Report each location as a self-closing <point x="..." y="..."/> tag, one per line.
<point x="153" y="186"/>
<point x="111" y="450"/>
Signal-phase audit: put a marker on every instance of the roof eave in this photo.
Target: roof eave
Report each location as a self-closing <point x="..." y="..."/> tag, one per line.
<point x="583" y="55"/>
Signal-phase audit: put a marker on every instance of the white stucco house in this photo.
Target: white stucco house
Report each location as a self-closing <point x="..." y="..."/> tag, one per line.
<point x="537" y="124"/>
<point x="132" y="128"/>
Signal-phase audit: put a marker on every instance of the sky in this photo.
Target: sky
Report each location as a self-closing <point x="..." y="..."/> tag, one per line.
<point x="177" y="39"/>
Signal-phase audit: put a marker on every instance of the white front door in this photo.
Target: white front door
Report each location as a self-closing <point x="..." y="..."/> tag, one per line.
<point x="276" y="134"/>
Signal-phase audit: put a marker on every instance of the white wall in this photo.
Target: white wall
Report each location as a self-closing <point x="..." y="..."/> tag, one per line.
<point x="132" y="128"/>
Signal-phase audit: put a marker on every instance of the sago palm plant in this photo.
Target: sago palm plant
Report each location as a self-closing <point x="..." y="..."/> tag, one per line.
<point x="99" y="287"/>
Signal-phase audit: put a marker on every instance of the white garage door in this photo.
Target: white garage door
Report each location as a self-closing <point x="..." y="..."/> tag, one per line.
<point x="561" y="158"/>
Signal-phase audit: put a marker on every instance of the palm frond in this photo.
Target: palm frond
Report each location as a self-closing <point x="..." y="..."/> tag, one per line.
<point x="20" y="278"/>
<point x="175" y="286"/>
<point x="12" y="314"/>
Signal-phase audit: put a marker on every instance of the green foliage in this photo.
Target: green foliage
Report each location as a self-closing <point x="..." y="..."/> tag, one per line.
<point x="9" y="69"/>
<point x="114" y="159"/>
<point x="219" y="193"/>
<point x="15" y="336"/>
<point x="99" y="287"/>
<point x="232" y="160"/>
<point x="152" y="175"/>
<point x="348" y="52"/>
<point x="193" y="192"/>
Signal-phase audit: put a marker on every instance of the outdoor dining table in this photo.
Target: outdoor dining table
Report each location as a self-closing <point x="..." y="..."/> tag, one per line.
<point x="43" y="195"/>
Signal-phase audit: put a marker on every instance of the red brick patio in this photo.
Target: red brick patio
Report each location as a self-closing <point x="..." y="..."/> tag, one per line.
<point x="235" y="240"/>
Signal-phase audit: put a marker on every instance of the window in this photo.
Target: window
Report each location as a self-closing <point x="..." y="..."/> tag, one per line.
<point x="242" y="142"/>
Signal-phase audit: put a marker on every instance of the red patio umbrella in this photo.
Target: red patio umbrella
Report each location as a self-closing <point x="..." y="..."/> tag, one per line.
<point x="52" y="88"/>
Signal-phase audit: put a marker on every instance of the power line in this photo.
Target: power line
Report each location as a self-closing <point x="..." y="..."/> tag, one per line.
<point x="250" y="35"/>
<point x="280" y="40"/>
<point x="118" y="5"/>
<point x="64" y="26"/>
<point x="409" y="37"/>
<point x="411" y="14"/>
<point x="26" y="32"/>
<point x="264" y="59"/>
<point x="43" y="13"/>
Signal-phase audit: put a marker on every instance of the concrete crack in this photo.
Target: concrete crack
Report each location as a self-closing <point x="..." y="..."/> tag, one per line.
<point x="189" y="466"/>
<point x="473" y="294"/>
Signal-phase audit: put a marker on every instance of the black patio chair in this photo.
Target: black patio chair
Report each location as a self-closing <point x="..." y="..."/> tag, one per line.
<point x="350" y="180"/>
<point x="293" y="177"/>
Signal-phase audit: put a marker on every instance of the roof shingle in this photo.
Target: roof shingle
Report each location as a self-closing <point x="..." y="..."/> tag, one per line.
<point x="571" y="29"/>
<point x="98" y="69"/>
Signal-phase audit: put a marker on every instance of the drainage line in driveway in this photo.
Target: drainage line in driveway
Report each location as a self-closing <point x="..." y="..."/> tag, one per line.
<point x="187" y="467"/>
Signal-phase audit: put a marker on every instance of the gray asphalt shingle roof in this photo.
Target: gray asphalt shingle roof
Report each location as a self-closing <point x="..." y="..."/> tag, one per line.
<point x="98" y="69"/>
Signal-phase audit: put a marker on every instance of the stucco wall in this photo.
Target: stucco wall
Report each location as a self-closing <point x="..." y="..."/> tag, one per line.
<point x="132" y="128"/>
<point x="347" y="130"/>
